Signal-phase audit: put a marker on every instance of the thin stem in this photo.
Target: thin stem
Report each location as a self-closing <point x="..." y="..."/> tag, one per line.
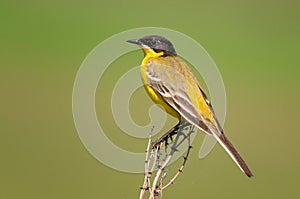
<point x="147" y="162"/>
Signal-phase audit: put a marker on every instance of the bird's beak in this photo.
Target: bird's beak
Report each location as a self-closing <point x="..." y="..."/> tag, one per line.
<point x="134" y="41"/>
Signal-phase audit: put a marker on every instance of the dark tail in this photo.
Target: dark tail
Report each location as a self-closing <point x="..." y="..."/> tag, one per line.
<point x="226" y="144"/>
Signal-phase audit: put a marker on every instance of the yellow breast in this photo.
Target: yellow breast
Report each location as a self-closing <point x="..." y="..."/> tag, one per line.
<point x="150" y="54"/>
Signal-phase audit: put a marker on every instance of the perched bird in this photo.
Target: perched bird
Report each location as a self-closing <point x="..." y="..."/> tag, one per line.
<point x="170" y="83"/>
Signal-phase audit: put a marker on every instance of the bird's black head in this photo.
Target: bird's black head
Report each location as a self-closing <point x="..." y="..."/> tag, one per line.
<point x="155" y="42"/>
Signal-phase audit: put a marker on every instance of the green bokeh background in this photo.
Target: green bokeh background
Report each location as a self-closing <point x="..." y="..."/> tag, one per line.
<point x="254" y="43"/>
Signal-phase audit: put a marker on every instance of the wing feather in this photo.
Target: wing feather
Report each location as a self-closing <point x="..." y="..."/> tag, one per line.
<point x="171" y="85"/>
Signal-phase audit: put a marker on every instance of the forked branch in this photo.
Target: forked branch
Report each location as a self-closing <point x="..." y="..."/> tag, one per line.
<point x="154" y="161"/>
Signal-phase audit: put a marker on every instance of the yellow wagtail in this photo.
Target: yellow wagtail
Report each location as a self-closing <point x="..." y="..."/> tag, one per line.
<point x="170" y="83"/>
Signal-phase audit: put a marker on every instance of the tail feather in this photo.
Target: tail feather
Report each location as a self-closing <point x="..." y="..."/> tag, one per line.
<point x="226" y="144"/>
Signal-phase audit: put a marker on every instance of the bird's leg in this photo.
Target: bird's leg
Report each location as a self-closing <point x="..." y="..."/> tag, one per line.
<point x="167" y="135"/>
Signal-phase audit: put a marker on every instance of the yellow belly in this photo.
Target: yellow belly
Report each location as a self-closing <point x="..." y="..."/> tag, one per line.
<point x="156" y="98"/>
<point x="149" y="54"/>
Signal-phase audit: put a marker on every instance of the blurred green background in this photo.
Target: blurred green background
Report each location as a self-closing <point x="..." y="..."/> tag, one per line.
<point x="254" y="43"/>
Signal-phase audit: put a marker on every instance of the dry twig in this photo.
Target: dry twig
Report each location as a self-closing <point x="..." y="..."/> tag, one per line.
<point x="155" y="161"/>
